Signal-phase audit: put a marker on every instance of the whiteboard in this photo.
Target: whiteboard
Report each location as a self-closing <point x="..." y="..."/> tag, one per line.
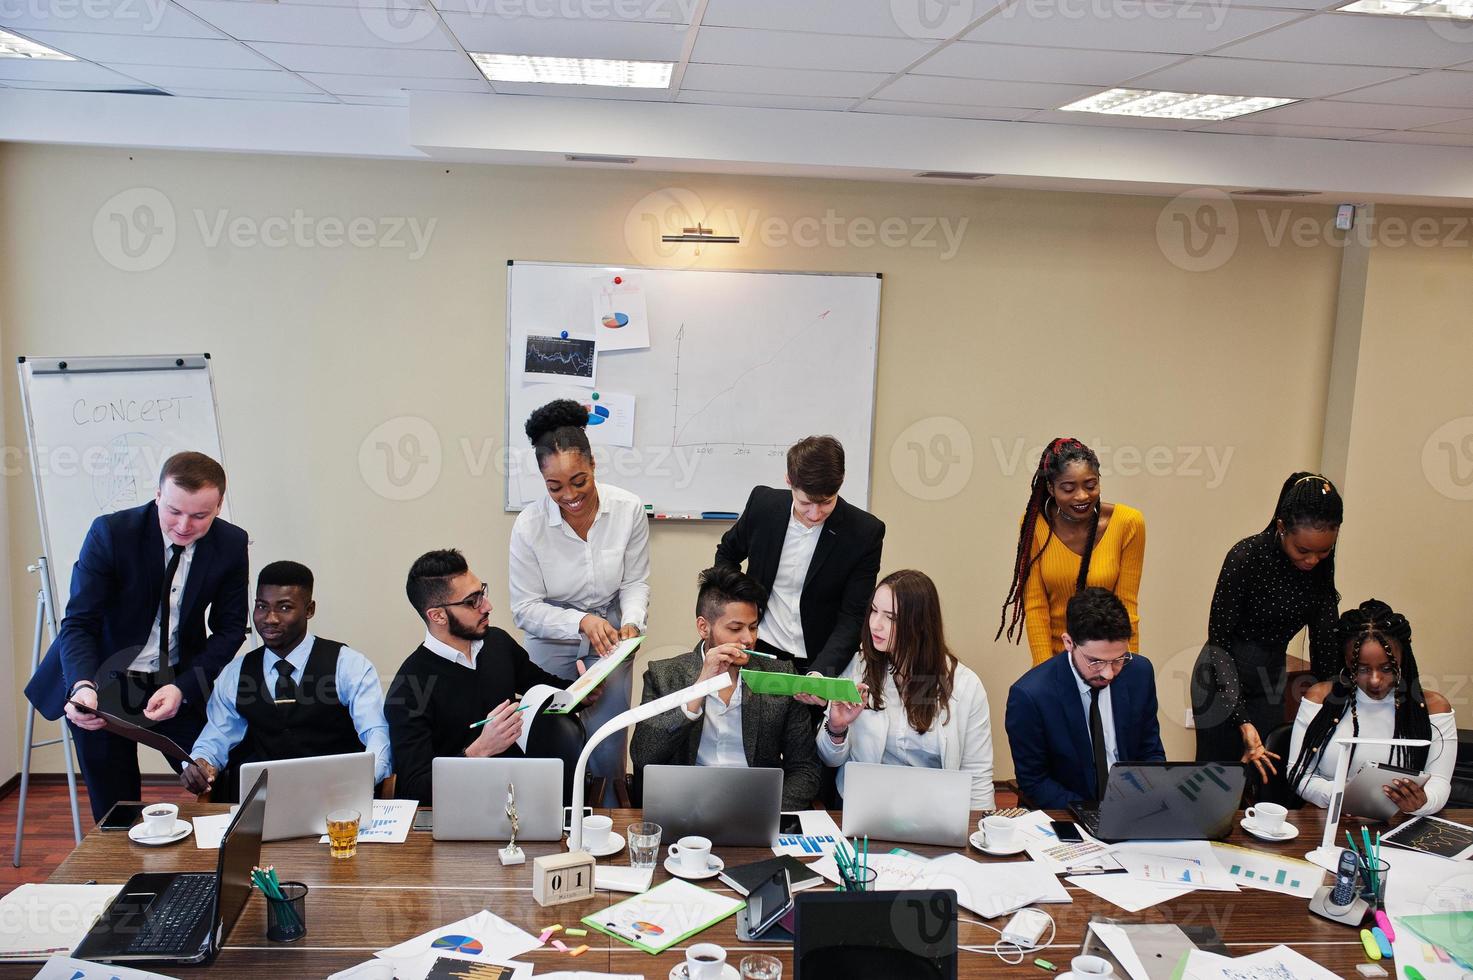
<point x="100" y="429"/>
<point x="740" y="365"/>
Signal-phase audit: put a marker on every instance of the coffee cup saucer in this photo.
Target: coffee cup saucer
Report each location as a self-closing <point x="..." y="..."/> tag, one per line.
<point x="613" y="845"/>
<point x="714" y="867"/>
<point x="976" y="840"/>
<point x="1287" y="832"/>
<point x="138" y="834"/>
<point x="728" y="972"/>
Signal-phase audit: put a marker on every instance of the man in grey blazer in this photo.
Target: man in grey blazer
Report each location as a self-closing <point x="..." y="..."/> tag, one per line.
<point x="733" y="727"/>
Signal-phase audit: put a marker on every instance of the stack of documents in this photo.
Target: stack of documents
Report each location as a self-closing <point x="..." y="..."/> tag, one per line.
<point x="39" y="921"/>
<point x="989" y="890"/>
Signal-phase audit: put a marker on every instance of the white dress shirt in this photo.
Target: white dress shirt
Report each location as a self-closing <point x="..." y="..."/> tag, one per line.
<point x="556" y="578"/>
<point x="959" y="738"/>
<point x="782" y="624"/>
<point x="721" y="735"/>
<point x="1107" y="715"/>
<point x="442" y="649"/>
<point x="147" y="660"/>
<point x="1377" y="720"/>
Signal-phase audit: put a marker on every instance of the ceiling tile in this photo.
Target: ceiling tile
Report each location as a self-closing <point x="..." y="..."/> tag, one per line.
<point x="338" y="60"/>
<point x="63" y="73"/>
<point x="560" y="38"/>
<point x="209" y="93"/>
<point x="1128" y="25"/>
<point x="1358" y="115"/>
<point x="938" y="110"/>
<point x="102" y="86"/>
<point x="159" y="18"/>
<point x="149" y="49"/>
<point x="1356" y="39"/>
<point x="1060" y="117"/>
<point x="764" y="101"/>
<point x="974" y="91"/>
<point x="874" y="18"/>
<point x="220" y="79"/>
<point x="1455" y="126"/>
<point x="787" y="49"/>
<point x="1428" y="139"/>
<point x="967" y="59"/>
<point x="780" y="81"/>
<point x="373" y="27"/>
<point x="591" y="11"/>
<point x="393" y="100"/>
<point x="392" y="84"/>
<point x="1280" y="79"/>
<point x="1453" y="89"/>
<point x="1285" y="129"/>
<point x="582" y="92"/>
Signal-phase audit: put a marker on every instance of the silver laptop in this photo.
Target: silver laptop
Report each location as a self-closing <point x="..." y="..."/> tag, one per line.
<point x="734" y="806"/>
<point x="908" y="804"/>
<point x="470" y="798"/>
<point x="304" y="791"/>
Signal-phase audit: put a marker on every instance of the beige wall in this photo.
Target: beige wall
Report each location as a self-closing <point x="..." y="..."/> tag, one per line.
<point x="1059" y="314"/>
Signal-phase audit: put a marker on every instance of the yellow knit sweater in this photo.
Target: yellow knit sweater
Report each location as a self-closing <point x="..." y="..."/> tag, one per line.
<point x="1114" y="565"/>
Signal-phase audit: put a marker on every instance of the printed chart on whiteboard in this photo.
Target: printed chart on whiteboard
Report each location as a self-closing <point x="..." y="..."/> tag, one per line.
<point x="695" y="382"/>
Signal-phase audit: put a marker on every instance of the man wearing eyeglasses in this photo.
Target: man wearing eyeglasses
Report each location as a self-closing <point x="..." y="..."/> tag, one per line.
<point x="464" y="671"/>
<point x="1078" y="713"/>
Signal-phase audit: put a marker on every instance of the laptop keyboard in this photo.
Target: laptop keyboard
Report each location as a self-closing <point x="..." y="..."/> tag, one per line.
<point x="171" y="922"/>
<point x="1089" y="819"/>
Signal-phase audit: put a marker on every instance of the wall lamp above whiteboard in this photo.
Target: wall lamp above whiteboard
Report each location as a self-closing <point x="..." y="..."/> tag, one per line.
<point x="701" y="235"/>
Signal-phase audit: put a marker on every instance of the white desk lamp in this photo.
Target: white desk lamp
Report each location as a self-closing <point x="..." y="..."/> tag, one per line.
<point x="1327" y="855"/>
<point x="625" y="720"/>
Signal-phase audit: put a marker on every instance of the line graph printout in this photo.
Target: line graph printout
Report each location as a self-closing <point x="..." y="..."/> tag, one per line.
<point x="567" y="359"/>
<point x="740" y="365"/>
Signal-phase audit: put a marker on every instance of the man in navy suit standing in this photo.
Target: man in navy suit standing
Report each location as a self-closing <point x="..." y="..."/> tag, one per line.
<point x="1075" y="715"/>
<point x="133" y="642"/>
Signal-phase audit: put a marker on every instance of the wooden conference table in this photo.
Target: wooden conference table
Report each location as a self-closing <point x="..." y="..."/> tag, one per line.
<point x="392" y="892"/>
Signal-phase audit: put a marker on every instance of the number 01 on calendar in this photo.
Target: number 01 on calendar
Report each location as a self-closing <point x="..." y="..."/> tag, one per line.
<point x="559" y="878"/>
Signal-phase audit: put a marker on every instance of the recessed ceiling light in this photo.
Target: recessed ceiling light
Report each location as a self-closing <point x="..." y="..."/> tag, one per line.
<point x="573" y="71"/>
<point x="1457" y="9"/>
<point x="15" y="46"/>
<point x="1172" y="105"/>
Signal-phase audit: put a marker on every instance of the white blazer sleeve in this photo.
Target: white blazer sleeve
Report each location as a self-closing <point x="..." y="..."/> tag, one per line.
<point x="530" y="610"/>
<point x="829" y="753"/>
<point x="1442" y="758"/>
<point x="969" y="701"/>
<point x="634" y="590"/>
<point x="1313" y="787"/>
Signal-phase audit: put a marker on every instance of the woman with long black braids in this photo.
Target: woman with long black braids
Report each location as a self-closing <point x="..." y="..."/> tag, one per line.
<point x="1272" y="585"/>
<point x="1068" y="540"/>
<point x="1377" y="694"/>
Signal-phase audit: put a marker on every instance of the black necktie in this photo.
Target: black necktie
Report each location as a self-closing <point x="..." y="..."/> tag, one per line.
<point x="286" y="688"/>
<point x="1097" y="736"/>
<point x="175" y="551"/>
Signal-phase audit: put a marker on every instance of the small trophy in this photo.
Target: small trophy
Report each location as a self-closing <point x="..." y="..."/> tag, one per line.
<point x="511" y="853"/>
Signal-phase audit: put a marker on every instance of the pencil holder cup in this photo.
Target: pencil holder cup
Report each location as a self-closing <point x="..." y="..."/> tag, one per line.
<point x="1373" y="882"/>
<point x="286" y="918"/>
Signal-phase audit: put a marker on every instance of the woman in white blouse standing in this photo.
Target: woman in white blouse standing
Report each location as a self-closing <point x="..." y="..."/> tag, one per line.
<point x="1377" y="695"/>
<point x="922" y="706"/>
<point x="579" y="570"/>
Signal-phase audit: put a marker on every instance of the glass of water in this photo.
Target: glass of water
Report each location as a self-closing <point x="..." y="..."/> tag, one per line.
<point x="644" y="844"/>
<point x="760" y="967"/>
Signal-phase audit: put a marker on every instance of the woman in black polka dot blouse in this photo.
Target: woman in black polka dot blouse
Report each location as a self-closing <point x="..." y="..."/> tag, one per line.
<point x="1272" y="585"/>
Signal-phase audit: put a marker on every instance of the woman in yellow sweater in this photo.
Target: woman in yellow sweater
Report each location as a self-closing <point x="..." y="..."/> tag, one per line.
<point x="1068" y="540"/>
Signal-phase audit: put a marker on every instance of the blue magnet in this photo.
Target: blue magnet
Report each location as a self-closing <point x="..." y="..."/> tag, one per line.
<point x="565" y="335"/>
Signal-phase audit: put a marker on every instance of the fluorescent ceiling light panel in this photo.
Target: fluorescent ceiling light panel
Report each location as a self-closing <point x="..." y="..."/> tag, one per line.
<point x="1457" y="9"/>
<point x="15" y="46"/>
<point x="573" y="71"/>
<point x="1173" y="105"/>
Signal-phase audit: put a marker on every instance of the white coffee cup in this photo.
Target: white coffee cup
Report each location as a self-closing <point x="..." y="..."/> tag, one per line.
<point x="1091" y="966"/>
<point x="694" y="857"/>
<point x="998" y="833"/>
<point x="159" y="819"/>
<point x="705" y="961"/>
<point x="1267" y="817"/>
<point x="596" y="832"/>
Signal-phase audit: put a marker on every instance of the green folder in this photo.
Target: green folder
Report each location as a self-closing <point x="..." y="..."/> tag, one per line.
<point x="667" y="914"/>
<point x="777" y="682"/>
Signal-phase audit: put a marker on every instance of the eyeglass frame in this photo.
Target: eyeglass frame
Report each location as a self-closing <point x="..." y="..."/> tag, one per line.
<point x="1119" y="663"/>
<point x="471" y="602"/>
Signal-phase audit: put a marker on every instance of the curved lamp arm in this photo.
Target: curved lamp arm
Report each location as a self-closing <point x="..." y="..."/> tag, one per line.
<point x="1329" y="851"/>
<point x="625" y="720"/>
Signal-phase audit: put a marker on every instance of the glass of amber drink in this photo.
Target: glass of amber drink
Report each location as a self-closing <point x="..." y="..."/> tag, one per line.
<point x="342" y="833"/>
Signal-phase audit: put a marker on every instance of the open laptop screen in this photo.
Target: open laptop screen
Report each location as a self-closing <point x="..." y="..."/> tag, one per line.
<point x="240" y="851"/>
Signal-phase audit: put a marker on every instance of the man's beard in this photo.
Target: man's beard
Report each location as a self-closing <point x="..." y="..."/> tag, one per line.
<point x="467" y="632"/>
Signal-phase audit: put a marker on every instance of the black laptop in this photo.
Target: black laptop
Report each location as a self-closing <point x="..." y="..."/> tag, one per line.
<point x="1165" y="801"/>
<point x="875" y="935"/>
<point x="183" y="917"/>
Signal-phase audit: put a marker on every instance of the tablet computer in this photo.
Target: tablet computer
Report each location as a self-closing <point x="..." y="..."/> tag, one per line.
<point x="1366" y="794"/>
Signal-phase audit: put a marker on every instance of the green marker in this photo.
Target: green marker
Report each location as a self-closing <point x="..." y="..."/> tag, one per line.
<point x="478" y="724"/>
<point x="1414" y="974"/>
<point x="759" y="653"/>
<point x="1044" y="965"/>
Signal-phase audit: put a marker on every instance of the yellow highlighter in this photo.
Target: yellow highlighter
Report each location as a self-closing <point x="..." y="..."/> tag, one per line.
<point x="1369" y="942"/>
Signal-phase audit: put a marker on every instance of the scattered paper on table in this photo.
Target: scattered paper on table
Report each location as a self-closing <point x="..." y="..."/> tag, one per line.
<point x="820" y="836"/>
<point x="368" y="970"/>
<point x="389" y="823"/>
<point x="1278" y="963"/>
<point x="209" y="830"/>
<point x="1061" y="857"/>
<point x="1182" y="862"/>
<point x="1270" y="872"/>
<point x="38" y="921"/>
<point x="994" y="888"/>
<point x="1129" y="893"/>
<point x="484" y="935"/>
<point x="1118" y="943"/>
<point x="619" y="314"/>
<point x="66" y="968"/>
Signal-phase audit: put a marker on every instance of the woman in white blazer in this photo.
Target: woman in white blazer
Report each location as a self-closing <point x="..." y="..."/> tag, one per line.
<point x="921" y="706"/>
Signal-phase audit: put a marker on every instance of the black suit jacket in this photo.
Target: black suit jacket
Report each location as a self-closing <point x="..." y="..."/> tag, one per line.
<point x="777" y="732"/>
<point x="840" y="579"/>
<point x="115" y="590"/>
